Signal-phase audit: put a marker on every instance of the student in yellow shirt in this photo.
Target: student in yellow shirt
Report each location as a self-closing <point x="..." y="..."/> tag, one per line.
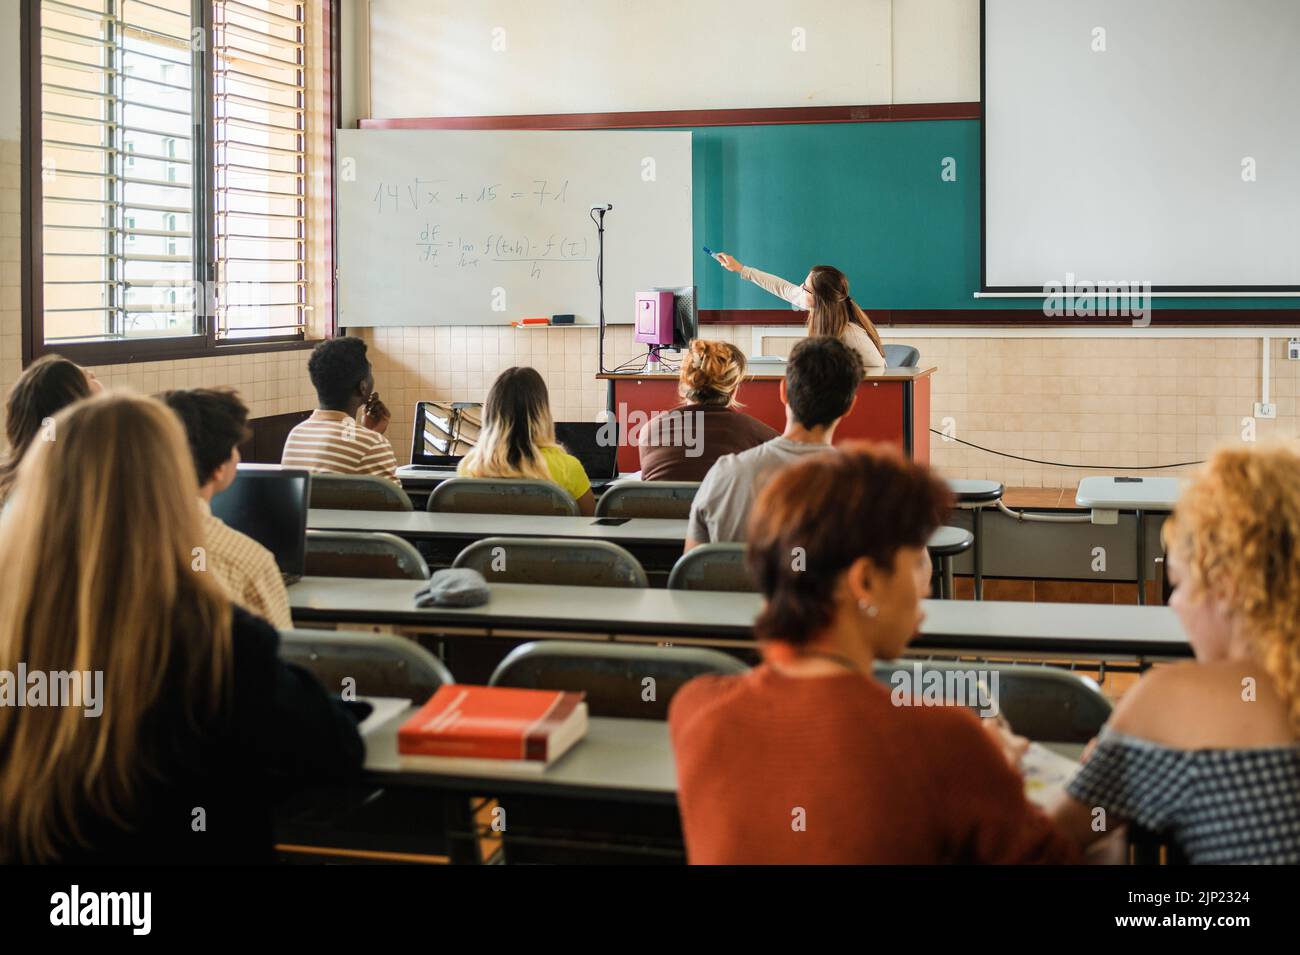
<point x="517" y="439"/>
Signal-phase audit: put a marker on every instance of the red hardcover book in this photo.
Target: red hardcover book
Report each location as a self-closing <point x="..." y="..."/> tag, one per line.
<point x="469" y="727"/>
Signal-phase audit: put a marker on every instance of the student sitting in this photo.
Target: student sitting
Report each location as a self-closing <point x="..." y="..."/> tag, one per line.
<point x="216" y="422"/>
<point x="807" y="758"/>
<point x="1207" y="753"/>
<point x="331" y="441"/>
<point x="820" y="387"/>
<point x="682" y="444"/>
<point x="199" y="722"/>
<point x="48" y="385"/>
<point x="517" y="439"/>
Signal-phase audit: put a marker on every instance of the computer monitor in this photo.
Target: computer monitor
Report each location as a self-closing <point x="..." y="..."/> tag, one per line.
<point x="686" y="317"/>
<point x="444" y="431"/>
<point x="269" y="504"/>
<point x="582" y="439"/>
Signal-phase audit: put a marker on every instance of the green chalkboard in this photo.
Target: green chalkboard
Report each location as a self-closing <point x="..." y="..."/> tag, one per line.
<point x="868" y="198"/>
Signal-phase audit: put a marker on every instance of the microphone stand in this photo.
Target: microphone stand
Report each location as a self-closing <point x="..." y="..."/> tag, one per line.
<point x="600" y="282"/>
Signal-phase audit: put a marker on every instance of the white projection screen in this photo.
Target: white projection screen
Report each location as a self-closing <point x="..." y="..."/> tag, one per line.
<point x="1170" y="156"/>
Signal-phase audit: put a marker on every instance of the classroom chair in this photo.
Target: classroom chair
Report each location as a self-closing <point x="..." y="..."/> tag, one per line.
<point x="360" y="822"/>
<point x="612" y="675"/>
<point x="712" y="566"/>
<point x="378" y="664"/>
<point x="552" y="560"/>
<point x="356" y="492"/>
<point x="974" y="496"/>
<point x="501" y="496"/>
<point x="945" y="544"/>
<point x="901" y="356"/>
<point x="371" y="554"/>
<point x="666" y="499"/>
<point x="1042" y="703"/>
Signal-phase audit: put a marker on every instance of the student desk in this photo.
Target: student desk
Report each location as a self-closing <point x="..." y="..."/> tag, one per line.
<point x="724" y="620"/>
<point x="621" y="772"/>
<point x="656" y="542"/>
<point x="1107" y="496"/>
<point x="893" y="406"/>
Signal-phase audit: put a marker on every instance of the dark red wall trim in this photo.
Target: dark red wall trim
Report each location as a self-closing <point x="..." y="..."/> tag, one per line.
<point x="652" y="119"/>
<point x="965" y="317"/>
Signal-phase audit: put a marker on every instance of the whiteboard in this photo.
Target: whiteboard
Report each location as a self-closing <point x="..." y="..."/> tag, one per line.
<point x="441" y="227"/>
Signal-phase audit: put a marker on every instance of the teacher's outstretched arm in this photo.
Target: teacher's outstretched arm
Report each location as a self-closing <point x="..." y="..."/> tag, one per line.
<point x="794" y="294"/>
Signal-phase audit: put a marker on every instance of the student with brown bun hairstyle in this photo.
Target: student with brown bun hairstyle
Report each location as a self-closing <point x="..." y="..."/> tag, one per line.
<point x="806" y="758"/>
<point x="824" y="295"/>
<point x="681" y="444"/>
<point x="1206" y="753"/>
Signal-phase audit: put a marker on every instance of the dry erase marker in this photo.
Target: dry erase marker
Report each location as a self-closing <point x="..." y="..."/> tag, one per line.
<point x="708" y="251"/>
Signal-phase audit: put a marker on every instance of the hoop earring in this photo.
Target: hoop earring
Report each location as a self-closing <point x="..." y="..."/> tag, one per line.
<point x="868" y="609"/>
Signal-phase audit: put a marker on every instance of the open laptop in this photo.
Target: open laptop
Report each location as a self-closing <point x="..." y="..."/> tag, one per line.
<point x="443" y="433"/>
<point x="269" y="504"/>
<point x="582" y="439"/>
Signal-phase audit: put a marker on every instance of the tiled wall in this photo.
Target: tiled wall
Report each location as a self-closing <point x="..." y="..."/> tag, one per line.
<point x="1118" y="403"/>
<point x="272" y="383"/>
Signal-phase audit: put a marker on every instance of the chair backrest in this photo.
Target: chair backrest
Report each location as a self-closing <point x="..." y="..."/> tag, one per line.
<point x="1040" y="702"/>
<point x="381" y="664"/>
<point x="371" y="554"/>
<point x="552" y="560"/>
<point x="612" y="675"/>
<point x="501" y="496"/>
<point x="902" y="356"/>
<point x="667" y="499"/>
<point x="357" y="492"/>
<point x="712" y="566"/>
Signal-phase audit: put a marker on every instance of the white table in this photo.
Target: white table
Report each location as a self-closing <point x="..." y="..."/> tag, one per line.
<point x="725" y="620"/>
<point x="1107" y="496"/>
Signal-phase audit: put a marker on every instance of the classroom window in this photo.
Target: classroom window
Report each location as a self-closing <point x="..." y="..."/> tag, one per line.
<point x="172" y="143"/>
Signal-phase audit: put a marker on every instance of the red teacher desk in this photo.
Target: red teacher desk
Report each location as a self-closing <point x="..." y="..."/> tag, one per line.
<point x="893" y="405"/>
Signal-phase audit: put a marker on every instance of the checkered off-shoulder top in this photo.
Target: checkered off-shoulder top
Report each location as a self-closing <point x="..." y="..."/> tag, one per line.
<point x="1218" y="806"/>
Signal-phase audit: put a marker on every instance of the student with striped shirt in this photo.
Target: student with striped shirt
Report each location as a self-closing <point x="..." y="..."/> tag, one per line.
<point x="331" y="441"/>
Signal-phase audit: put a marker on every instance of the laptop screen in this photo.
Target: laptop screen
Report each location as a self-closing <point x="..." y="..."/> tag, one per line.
<point x="444" y="431"/>
<point x="270" y="505"/>
<point x="583" y="439"/>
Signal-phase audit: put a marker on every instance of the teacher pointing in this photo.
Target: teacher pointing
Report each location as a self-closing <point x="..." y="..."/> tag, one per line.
<point x="825" y="296"/>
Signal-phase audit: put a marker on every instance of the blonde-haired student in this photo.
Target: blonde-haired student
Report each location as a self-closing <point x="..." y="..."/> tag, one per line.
<point x="824" y="295"/>
<point x="682" y="443"/>
<point x="517" y="439"/>
<point x="192" y="708"/>
<point x="1207" y="753"/>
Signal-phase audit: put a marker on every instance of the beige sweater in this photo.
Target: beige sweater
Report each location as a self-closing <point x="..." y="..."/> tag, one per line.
<point x="854" y="336"/>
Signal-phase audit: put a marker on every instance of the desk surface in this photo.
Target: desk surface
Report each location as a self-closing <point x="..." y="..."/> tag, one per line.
<point x="772" y="371"/>
<point x="422" y="524"/>
<point x="629" y="757"/>
<point x="626" y="759"/>
<point x="710" y="615"/>
<point x="1145" y="494"/>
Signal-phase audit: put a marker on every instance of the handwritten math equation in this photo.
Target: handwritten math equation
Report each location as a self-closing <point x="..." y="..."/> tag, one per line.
<point x="464" y="253"/>
<point x="424" y="193"/>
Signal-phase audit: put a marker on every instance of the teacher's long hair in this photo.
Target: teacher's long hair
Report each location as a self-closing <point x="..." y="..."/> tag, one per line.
<point x="833" y="309"/>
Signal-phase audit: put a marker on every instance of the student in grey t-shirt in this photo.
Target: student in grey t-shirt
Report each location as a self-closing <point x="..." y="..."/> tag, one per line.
<point x="820" y="387"/>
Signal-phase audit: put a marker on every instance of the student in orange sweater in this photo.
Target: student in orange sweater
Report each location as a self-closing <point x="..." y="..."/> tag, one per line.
<point x="805" y="759"/>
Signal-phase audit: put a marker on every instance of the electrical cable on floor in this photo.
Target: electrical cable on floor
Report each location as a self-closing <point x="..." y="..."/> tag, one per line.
<point x="1058" y="464"/>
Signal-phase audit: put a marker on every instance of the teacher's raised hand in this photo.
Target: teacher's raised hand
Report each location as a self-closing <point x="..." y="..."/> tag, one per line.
<point x="727" y="262"/>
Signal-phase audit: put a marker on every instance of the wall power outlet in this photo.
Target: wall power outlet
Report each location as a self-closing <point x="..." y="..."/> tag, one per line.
<point x="1265" y="409"/>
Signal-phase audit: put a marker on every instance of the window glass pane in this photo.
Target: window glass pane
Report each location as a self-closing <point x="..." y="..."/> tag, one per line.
<point x="117" y="172"/>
